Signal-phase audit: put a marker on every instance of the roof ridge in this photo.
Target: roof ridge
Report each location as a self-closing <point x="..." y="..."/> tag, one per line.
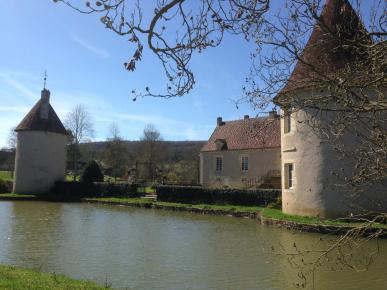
<point x="247" y="119"/>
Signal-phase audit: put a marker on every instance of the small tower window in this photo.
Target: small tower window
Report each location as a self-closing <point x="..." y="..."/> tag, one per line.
<point x="218" y="164"/>
<point x="245" y="163"/>
<point x="289" y="175"/>
<point x="287" y="122"/>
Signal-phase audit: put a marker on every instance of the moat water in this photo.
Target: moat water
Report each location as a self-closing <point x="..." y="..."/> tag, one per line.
<point x="132" y="248"/>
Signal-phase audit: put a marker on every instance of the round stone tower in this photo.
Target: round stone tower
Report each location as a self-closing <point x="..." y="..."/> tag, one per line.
<point x="309" y="162"/>
<point x="41" y="149"/>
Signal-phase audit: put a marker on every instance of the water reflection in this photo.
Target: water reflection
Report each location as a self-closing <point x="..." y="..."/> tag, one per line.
<point x="153" y="249"/>
<point x="34" y="235"/>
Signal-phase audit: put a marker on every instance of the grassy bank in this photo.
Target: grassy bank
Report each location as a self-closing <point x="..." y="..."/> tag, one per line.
<point x="263" y="213"/>
<point x="20" y="279"/>
<point x="15" y="196"/>
<point x="6" y="175"/>
<point x="143" y="201"/>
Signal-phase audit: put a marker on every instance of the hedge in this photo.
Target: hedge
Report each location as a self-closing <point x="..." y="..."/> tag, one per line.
<point x="198" y="194"/>
<point x="5" y="186"/>
<point x="70" y="190"/>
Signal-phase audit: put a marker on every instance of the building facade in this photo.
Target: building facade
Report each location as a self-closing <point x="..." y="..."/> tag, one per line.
<point x="310" y="183"/>
<point x="41" y="149"/>
<point x="242" y="154"/>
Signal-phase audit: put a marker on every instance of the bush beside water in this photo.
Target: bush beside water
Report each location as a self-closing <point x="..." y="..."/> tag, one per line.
<point x="65" y="190"/>
<point x="198" y="195"/>
<point x="5" y="186"/>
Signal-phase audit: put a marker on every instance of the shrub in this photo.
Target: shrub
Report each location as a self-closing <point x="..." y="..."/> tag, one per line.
<point x="117" y="189"/>
<point x="197" y="194"/>
<point x="70" y="191"/>
<point x="92" y="173"/>
<point x="277" y="204"/>
<point x="5" y="186"/>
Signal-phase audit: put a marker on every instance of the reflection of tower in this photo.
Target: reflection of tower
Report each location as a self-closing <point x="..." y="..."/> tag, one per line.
<point x="41" y="149"/>
<point x="309" y="163"/>
<point x="35" y="234"/>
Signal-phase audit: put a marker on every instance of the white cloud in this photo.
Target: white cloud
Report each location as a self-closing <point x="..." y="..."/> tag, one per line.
<point x="154" y="119"/>
<point x="191" y="133"/>
<point x="5" y="126"/>
<point x="94" y="49"/>
<point x="171" y="129"/>
<point x="21" y="109"/>
<point x="17" y="85"/>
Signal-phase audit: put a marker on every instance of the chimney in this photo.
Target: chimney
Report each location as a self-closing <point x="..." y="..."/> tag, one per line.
<point x="45" y="100"/>
<point x="219" y="121"/>
<point x="246" y="117"/>
<point x="273" y="114"/>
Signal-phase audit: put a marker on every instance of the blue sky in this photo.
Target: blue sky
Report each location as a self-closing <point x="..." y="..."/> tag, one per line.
<point x="84" y="63"/>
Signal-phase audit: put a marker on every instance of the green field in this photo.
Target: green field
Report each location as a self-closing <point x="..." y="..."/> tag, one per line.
<point x="21" y="279"/>
<point x="145" y="189"/>
<point x="6" y="175"/>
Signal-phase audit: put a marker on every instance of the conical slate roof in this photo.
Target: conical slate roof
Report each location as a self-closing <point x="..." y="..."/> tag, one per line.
<point x="34" y="122"/>
<point x="322" y="51"/>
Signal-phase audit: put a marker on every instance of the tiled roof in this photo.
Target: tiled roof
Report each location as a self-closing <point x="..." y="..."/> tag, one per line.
<point x="321" y="51"/>
<point x="33" y="121"/>
<point x="252" y="133"/>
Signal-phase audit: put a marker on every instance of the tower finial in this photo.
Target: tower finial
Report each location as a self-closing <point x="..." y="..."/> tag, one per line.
<point x="45" y="79"/>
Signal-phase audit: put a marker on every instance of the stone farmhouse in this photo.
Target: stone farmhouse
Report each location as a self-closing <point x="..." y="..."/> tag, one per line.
<point x="41" y="149"/>
<point x="243" y="154"/>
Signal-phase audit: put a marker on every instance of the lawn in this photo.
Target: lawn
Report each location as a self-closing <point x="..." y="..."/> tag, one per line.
<point x="15" y="196"/>
<point x="71" y="178"/>
<point x="279" y="215"/>
<point x="6" y="175"/>
<point x="106" y="178"/>
<point x="146" y="189"/>
<point x="21" y="279"/>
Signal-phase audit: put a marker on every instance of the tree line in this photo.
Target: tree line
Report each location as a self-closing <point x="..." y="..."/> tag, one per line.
<point x="151" y="159"/>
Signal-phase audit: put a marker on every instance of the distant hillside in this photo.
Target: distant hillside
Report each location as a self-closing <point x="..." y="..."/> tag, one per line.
<point x="181" y="146"/>
<point x="172" y="150"/>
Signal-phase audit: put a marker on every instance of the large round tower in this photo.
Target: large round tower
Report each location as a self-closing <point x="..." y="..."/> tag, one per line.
<point x="310" y="183"/>
<point x="41" y="149"/>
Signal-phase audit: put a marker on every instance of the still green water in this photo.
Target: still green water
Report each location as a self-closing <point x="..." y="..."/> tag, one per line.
<point x="153" y="249"/>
